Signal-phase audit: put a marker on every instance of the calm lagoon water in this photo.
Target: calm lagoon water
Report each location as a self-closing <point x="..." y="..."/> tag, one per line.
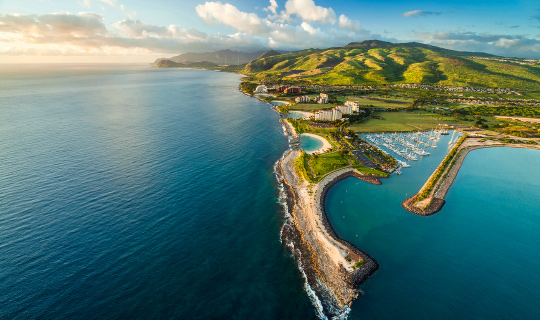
<point x="477" y="258"/>
<point x="140" y="193"/>
<point x="309" y="143"/>
<point x="296" y="115"/>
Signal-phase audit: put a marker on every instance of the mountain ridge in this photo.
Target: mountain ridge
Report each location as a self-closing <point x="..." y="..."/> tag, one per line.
<point x="375" y="62"/>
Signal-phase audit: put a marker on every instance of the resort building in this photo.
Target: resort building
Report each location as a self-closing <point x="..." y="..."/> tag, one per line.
<point x="302" y="99"/>
<point x="328" y="115"/>
<point x="345" y="109"/>
<point x="323" y="115"/>
<point x="336" y="114"/>
<point x="261" y="89"/>
<point x="292" y="90"/>
<point x="323" y="98"/>
<point x="281" y="88"/>
<point x="355" y="105"/>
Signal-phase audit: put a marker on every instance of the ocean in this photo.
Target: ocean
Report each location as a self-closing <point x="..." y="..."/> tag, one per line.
<point x="130" y="192"/>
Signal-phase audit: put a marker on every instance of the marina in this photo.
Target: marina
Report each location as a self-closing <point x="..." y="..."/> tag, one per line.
<point x="409" y="146"/>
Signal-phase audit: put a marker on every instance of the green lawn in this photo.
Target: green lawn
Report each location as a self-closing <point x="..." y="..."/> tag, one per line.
<point x="374" y="172"/>
<point x="375" y="103"/>
<point x="396" y="122"/>
<point x="328" y="162"/>
<point x="310" y="106"/>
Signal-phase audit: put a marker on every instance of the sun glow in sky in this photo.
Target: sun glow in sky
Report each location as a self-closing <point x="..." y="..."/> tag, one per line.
<point x="140" y="31"/>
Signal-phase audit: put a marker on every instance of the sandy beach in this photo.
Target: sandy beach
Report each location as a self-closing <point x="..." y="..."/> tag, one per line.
<point x="305" y="113"/>
<point x="325" y="147"/>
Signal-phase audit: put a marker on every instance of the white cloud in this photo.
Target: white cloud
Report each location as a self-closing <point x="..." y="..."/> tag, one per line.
<point x="227" y="14"/>
<point x="272" y="8"/>
<point x="498" y="44"/>
<point x="308" y="11"/>
<point x="307" y="27"/>
<point x="414" y="13"/>
<point x="109" y="2"/>
<point x="345" y="23"/>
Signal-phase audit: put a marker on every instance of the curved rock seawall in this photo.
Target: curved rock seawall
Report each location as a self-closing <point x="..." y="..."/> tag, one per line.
<point x="360" y="274"/>
<point x="334" y="268"/>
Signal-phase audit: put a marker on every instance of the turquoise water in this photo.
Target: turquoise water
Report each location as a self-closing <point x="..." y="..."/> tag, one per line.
<point x="140" y="193"/>
<point x="309" y="143"/>
<point x="477" y="258"/>
<point x="296" y="115"/>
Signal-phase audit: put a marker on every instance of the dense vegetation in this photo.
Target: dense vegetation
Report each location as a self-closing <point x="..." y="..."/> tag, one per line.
<point x="449" y="159"/>
<point x="377" y="62"/>
<point x="513" y="111"/>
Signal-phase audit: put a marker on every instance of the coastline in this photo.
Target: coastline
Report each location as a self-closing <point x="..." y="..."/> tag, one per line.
<point x="325" y="147"/>
<point x="333" y="267"/>
<point x="435" y="201"/>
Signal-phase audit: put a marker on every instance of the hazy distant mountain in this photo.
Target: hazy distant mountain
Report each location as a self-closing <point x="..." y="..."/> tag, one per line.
<point x="166" y="63"/>
<point x="380" y="62"/>
<point x="222" y="57"/>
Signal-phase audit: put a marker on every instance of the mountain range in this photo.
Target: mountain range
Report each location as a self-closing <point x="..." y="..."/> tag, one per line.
<point x="370" y="62"/>
<point x="221" y="57"/>
<point x="379" y="62"/>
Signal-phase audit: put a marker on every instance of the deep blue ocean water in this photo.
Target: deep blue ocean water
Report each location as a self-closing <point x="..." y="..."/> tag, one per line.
<point x="477" y="258"/>
<point x="140" y="193"/>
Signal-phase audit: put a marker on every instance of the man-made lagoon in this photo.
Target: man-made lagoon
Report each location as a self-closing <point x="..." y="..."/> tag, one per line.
<point x="477" y="258"/>
<point x="310" y="144"/>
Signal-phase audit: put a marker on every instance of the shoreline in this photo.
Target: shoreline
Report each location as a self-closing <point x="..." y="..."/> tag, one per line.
<point x="435" y="202"/>
<point x="333" y="267"/>
<point x="304" y="113"/>
<point x="325" y="144"/>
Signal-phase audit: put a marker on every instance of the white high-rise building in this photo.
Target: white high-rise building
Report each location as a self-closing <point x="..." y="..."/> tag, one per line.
<point x="336" y="114"/>
<point x="302" y="99"/>
<point x="323" y="115"/>
<point x="345" y="109"/>
<point x="261" y="89"/>
<point x="354" y="104"/>
<point x="323" y="98"/>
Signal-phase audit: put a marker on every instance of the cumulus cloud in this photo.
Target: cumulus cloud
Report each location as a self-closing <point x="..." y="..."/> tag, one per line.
<point x="465" y="36"/>
<point x="345" y="23"/>
<point x="308" y="28"/>
<point x="309" y="11"/>
<point x="272" y="8"/>
<point x="88" y="34"/>
<point x="417" y="13"/>
<point x="53" y="25"/>
<point x="227" y="14"/>
<point x="498" y="44"/>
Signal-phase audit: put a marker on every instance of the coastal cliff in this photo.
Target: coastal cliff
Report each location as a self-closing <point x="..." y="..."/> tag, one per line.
<point x="334" y="268"/>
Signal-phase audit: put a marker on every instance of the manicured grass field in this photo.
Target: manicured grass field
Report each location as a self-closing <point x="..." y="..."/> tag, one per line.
<point x="367" y="170"/>
<point x="310" y="106"/>
<point x="325" y="163"/>
<point x="396" y="122"/>
<point x="375" y="103"/>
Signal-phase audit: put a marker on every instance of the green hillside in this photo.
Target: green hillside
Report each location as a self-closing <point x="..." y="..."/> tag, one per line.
<point x="379" y="62"/>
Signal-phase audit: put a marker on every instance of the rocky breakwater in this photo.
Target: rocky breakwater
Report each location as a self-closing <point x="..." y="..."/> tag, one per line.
<point x="430" y="199"/>
<point x="333" y="267"/>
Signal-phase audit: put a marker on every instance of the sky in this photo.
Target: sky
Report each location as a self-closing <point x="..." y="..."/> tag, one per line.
<point x="101" y="31"/>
